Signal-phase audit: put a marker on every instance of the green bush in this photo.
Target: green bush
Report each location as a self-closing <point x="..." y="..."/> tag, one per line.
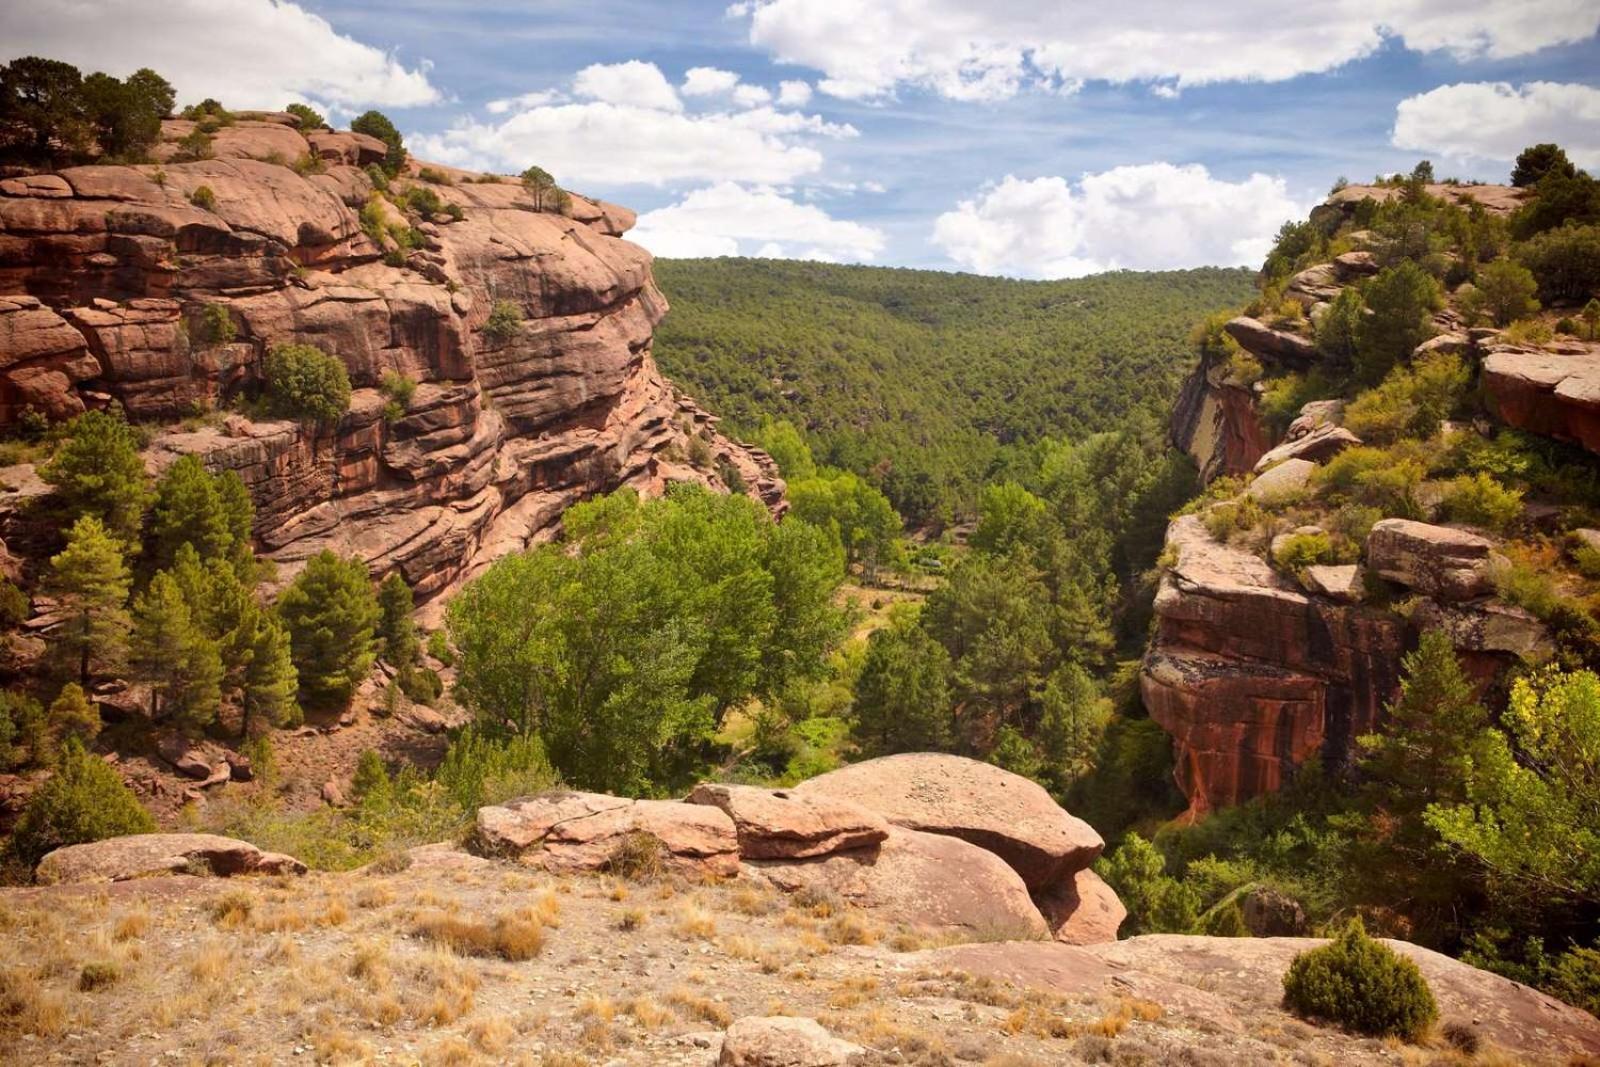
<point x="478" y="770"/>
<point x="421" y="685"/>
<point x="377" y="124"/>
<point x="1232" y="516"/>
<point x="1411" y="401"/>
<point x="1508" y="289"/>
<point x="85" y="800"/>
<point x="204" y="197"/>
<point x="1361" y="985"/>
<point x="434" y="176"/>
<point x="304" y="382"/>
<point x="505" y="319"/>
<point x="309" y="119"/>
<point x="1479" y="500"/>
<point x="1300" y="551"/>
<point x="378" y="177"/>
<point x="216" y="325"/>
<point x="439" y="648"/>
<point x="422" y="200"/>
<point x="1565" y="261"/>
<point x="1382" y="478"/>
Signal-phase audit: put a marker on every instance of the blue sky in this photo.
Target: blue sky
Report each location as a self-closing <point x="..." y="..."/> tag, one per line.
<point x="1034" y="137"/>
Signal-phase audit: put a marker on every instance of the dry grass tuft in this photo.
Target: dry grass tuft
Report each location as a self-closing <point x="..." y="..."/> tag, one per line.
<point x="27" y="1007"/>
<point x="703" y="1008"/>
<point x="647" y="1013"/>
<point x="695" y="922"/>
<point x="493" y="1035"/>
<point x="850" y="928"/>
<point x="631" y="919"/>
<point x="131" y="925"/>
<point x="510" y="937"/>
<point x="637" y="857"/>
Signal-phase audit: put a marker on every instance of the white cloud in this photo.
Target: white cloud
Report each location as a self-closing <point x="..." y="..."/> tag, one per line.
<point x="1148" y="217"/>
<point x="708" y="81"/>
<point x="246" y="53"/>
<point x="729" y="219"/>
<point x="994" y="50"/>
<point x="1495" y="121"/>
<point x="794" y="94"/>
<point x="519" y="103"/>
<point x="751" y="96"/>
<point x="631" y="84"/>
<point x="619" y="144"/>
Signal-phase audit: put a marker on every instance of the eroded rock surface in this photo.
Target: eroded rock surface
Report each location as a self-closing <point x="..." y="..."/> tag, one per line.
<point x="118" y="859"/>
<point x="565" y="831"/>
<point x="776" y="824"/>
<point x="781" y="1041"/>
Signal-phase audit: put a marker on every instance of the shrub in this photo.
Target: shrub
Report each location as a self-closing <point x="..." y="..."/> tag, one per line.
<point x="304" y="382"/>
<point x="97" y="975"/>
<point x="1479" y="500"/>
<point x="638" y="857"/>
<point x="309" y="163"/>
<point x="1411" y="401"/>
<point x="378" y="178"/>
<point x="332" y="615"/>
<point x="434" y="176"/>
<point x="1362" y="985"/>
<point x="1300" y="551"/>
<point x="1530" y="333"/>
<point x="1508" y="289"/>
<point x="193" y="146"/>
<point x="309" y="119"/>
<point x="1382" y="478"/>
<point x="505" y="320"/>
<point x="509" y="937"/>
<point x="421" y="685"/>
<point x="377" y="124"/>
<point x="85" y="800"/>
<point x="1565" y="261"/>
<point x="399" y="387"/>
<point x="439" y="648"/>
<point x="1232" y="516"/>
<point x="423" y="201"/>
<point x="478" y="770"/>
<point x="1401" y="300"/>
<point x="204" y="197"/>
<point x="216" y="325"/>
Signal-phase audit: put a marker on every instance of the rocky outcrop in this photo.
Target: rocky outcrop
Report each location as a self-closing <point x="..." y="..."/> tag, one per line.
<point x="113" y="281"/>
<point x="1314" y="435"/>
<point x="781" y="1041"/>
<point x="1440" y="561"/>
<point x="1252" y="676"/>
<point x="1555" y="391"/>
<point x="1083" y="910"/>
<point x="1216" y="424"/>
<point x="774" y="824"/>
<point x="563" y="832"/>
<point x="118" y="859"/>
<point x="1276" y="347"/>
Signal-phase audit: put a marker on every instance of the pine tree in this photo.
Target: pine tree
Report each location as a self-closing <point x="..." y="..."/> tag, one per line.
<point x="1591" y="317"/>
<point x="85" y="800"/>
<point x="398" y="630"/>
<point x="1420" y="755"/>
<point x="902" y="698"/>
<point x="1402" y="300"/>
<point x="91" y="581"/>
<point x="188" y="511"/>
<point x="171" y="653"/>
<point x="270" y="680"/>
<point x="332" y="616"/>
<point x="1071" y="724"/>
<point x="72" y="715"/>
<point x="239" y="512"/>
<point x="97" y="471"/>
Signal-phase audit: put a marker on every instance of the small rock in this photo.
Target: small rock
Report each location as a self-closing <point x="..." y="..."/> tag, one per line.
<point x="781" y="1041"/>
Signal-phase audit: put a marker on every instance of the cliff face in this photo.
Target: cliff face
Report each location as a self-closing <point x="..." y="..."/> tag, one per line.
<point x="112" y="278"/>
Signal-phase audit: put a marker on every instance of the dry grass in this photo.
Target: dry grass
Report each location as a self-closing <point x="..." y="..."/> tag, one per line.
<point x="702" y="1008"/>
<point x="27" y="1007"/>
<point x="233" y="908"/>
<point x="492" y="1036"/>
<point x="647" y="1013"/>
<point x="694" y="922"/>
<point x="131" y="925"/>
<point x="510" y="937"/>
<point x="632" y="919"/>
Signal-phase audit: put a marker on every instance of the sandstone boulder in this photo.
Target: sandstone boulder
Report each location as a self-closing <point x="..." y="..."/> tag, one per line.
<point x="118" y="859"/>
<point x="1269" y="913"/>
<point x="1338" y="581"/>
<point x="1216" y="423"/>
<point x="1317" y="445"/>
<point x="925" y="880"/>
<point x="186" y="757"/>
<point x="1082" y="911"/>
<point x="1287" y="479"/>
<point x="1550" y="393"/>
<point x="783" y="1041"/>
<point x="567" y="832"/>
<point x="1490" y="626"/>
<point x="1277" y="347"/>
<point x="775" y="824"/>
<point x="1439" y="561"/>
<point x="978" y="802"/>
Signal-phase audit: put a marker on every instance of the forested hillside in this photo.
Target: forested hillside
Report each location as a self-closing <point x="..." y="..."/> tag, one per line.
<point x="921" y="380"/>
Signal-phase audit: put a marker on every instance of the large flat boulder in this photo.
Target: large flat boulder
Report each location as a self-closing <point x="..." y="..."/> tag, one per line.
<point x="783" y="1041"/>
<point x="978" y="802"/>
<point x="567" y="832"/>
<point x="776" y="824"/>
<point x="1083" y="910"/>
<point x="1277" y="347"/>
<point x="925" y="880"/>
<point x="118" y="859"/>
<point x="1439" y="561"/>
<point x="1556" y="392"/>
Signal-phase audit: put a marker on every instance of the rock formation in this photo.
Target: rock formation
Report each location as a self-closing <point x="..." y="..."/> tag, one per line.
<point x="118" y="859"/>
<point x="162" y="288"/>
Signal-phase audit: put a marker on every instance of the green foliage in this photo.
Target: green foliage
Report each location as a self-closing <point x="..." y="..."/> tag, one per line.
<point x="1566" y="262"/>
<point x="1591" y="318"/>
<point x="174" y="656"/>
<point x="1562" y="200"/>
<point x="270" y="680"/>
<point x="787" y="445"/>
<point x="395" y="626"/>
<point x="1299" y="551"/>
<point x="216" y="325"/>
<point x="377" y="124"/>
<point x="1536" y="161"/>
<point x="212" y="512"/>
<point x="91" y="582"/>
<point x="1508" y="290"/>
<point x="332" y="617"/>
<point x="72" y="715"/>
<point x="97" y="471"/>
<point x="1411" y="401"/>
<point x="194" y="146"/>
<point x="1157" y="903"/>
<point x="925" y="383"/>
<point x="308" y="116"/>
<point x="204" y="197"/>
<point x="434" y="176"/>
<point x="860" y="515"/>
<point x="478" y="769"/>
<point x="1339" y="328"/>
<point x="504" y="323"/>
<point x="304" y="382"/>
<point x="1383" y="478"/>
<point x="622" y="648"/>
<point x="1362" y="985"/>
<point x="1479" y="500"/>
<point x="1401" y="301"/>
<point x="84" y="800"/>
<point x="902" y="697"/>
<point x="399" y="387"/>
<point x="1072" y="727"/>
<point x="439" y="648"/>
<point x="422" y="201"/>
<point x="1298" y="245"/>
<point x="48" y="111"/>
<point x="542" y="187"/>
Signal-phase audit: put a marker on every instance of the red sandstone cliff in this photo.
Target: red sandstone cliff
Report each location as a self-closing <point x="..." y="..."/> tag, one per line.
<point x="105" y="273"/>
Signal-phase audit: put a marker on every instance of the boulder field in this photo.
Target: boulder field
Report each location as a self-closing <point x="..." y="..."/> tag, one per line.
<point x="162" y="288"/>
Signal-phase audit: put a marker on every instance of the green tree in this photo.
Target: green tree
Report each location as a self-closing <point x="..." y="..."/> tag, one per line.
<point x="41" y="108"/>
<point x="126" y="115"/>
<point x="1363" y="985"/>
<point x="84" y="800"/>
<point x="1531" y="814"/>
<point x="1008" y="516"/>
<point x="1534" y="162"/>
<point x="902" y="697"/>
<point x="541" y="185"/>
<point x="1566" y="261"/>
<point x="1157" y="903"/>
<point x="1422" y="173"/>
<point x="994" y="618"/>
<point x="91" y="580"/>
<point x="1591" y="317"/>
<point x="332" y="617"/>
<point x="309" y="118"/>
<point x="24" y="732"/>
<point x="1401" y="300"/>
<point x="1338" y="328"/>
<point x="270" y="679"/>
<point x="96" y="470"/>
<point x="188" y="510"/>
<point x="1072" y="725"/>
<point x="72" y="715"/>
<point x="865" y="521"/>
<point x="377" y="124"/>
<point x="304" y="382"/>
<point x="173" y="655"/>
<point x="396" y="627"/>
<point x="787" y="446"/>
<point x="1508" y="290"/>
<point x="1421" y="754"/>
<point x="1561" y="199"/>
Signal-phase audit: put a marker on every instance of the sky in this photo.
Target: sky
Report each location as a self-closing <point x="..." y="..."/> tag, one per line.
<point x="1027" y="138"/>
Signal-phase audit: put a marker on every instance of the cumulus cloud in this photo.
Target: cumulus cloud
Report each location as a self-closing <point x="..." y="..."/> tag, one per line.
<point x="1495" y="121"/>
<point x="794" y="93"/>
<point x="631" y="84"/>
<point x="730" y="219"/>
<point x="708" y="81"/>
<point x="994" y="50"/>
<point x="624" y="144"/>
<point x="246" y="53"/>
<point x="526" y="100"/>
<point x="1148" y="217"/>
<point x="751" y="96"/>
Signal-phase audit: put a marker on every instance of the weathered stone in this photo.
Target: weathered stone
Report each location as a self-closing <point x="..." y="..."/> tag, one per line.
<point x="1489" y="626"/>
<point x="567" y="832"/>
<point x="776" y="824"/>
<point x="1316" y="445"/>
<point x="1216" y="423"/>
<point x="784" y="1041"/>
<point x="992" y="808"/>
<point x="185" y="758"/>
<point x="1269" y="913"/>
<point x="1343" y="582"/>
<point x="1436" y="560"/>
<point x="1548" y="393"/>
<point x="1288" y="479"/>
<point x="1083" y="910"/>
<point x="926" y="880"/>
<point x="117" y="859"/>
<point x="1278" y="347"/>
